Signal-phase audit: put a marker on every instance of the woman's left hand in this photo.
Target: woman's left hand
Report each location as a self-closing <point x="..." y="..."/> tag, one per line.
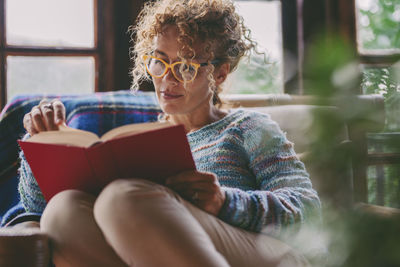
<point x="200" y="188"/>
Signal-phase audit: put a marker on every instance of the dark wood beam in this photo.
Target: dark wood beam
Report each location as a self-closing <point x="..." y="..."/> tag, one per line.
<point x="347" y="20"/>
<point x="105" y="30"/>
<point x="3" y="91"/>
<point x="383" y="158"/>
<point x="115" y="63"/>
<point x="290" y="38"/>
<point x="124" y="16"/>
<point x="146" y="85"/>
<point x="380" y="59"/>
<point x="48" y="51"/>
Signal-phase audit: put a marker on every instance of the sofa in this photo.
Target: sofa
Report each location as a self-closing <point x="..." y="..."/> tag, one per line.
<point x="298" y="116"/>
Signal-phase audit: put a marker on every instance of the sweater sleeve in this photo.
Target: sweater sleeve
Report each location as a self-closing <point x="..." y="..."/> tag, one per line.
<point x="284" y="194"/>
<point x="30" y="194"/>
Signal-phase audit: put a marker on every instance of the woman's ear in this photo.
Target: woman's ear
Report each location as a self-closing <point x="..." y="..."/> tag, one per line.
<point x="221" y="73"/>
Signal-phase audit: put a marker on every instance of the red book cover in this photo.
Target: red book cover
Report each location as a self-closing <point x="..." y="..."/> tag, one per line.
<point x="154" y="154"/>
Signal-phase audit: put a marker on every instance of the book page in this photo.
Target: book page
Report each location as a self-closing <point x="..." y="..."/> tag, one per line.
<point x="66" y="136"/>
<point x="131" y="129"/>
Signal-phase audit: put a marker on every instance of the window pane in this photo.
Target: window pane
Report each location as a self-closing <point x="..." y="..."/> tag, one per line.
<point x="264" y="20"/>
<point x="385" y="81"/>
<point x="378" y="25"/>
<point x="384" y="185"/>
<point x="62" y="23"/>
<point x="55" y="75"/>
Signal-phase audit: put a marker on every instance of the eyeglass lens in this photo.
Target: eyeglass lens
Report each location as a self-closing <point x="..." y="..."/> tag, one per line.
<point x="182" y="71"/>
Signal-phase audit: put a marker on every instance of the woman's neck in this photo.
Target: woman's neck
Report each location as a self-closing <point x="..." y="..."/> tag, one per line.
<point x="196" y="120"/>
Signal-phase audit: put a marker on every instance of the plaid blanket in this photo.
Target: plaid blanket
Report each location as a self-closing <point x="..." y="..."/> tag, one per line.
<point x="97" y="112"/>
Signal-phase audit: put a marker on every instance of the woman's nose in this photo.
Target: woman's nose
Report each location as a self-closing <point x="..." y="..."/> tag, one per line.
<point x="169" y="76"/>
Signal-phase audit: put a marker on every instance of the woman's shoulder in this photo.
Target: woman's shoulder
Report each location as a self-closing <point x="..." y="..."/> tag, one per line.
<point x="251" y="120"/>
<point x="259" y="130"/>
<point x="240" y="122"/>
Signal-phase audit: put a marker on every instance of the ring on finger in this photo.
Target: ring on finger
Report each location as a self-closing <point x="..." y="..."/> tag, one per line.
<point x="49" y="106"/>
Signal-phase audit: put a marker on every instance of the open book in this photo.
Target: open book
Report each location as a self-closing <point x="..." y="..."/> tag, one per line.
<point x="76" y="159"/>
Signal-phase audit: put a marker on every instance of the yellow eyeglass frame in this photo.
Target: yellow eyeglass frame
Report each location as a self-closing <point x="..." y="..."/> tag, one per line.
<point x="196" y="66"/>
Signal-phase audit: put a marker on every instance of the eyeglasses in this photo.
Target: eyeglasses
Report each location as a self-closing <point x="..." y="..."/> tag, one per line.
<point x="183" y="72"/>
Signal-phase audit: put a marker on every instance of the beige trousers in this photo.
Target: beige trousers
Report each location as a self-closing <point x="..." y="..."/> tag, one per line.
<point x="135" y="222"/>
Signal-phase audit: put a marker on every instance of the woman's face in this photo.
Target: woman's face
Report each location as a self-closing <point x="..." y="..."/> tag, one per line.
<point x="173" y="97"/>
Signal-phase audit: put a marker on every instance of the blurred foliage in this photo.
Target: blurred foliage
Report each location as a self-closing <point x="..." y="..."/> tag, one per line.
<point x="259" y="74"/>
<point x="349" y="237"/>
<point x="379" y="28"/>
<point x="384" y="81"/>
<point x="330" y="68"/>
<point x="379" y="24"/>
<point x="365" y="240"/>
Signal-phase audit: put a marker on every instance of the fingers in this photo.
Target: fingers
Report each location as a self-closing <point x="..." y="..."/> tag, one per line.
<point x="59" y="111"/>
<point x="28" y="124"/>
<point x="37" y="121"/>
<point x="44" y="117"/>
<point x="55" y="112"/>
<point x="199" y="196"/>
<point x="48" y="117"/>
<point x="195" y="186"/>
<point x="200" y="188"/>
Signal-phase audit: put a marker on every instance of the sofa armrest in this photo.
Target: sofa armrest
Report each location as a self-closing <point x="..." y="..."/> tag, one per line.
<point x="378" y="211"/>
<point x="371" y="107"/>
<point x="27" y="247"/>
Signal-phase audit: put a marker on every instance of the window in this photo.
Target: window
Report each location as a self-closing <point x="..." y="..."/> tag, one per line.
<point x="378" y="42"/>
<point x="378" y="26"/>
<point x="263" y="72"/>
<point x="48" y="46"/>
<point x="357" y="31"/>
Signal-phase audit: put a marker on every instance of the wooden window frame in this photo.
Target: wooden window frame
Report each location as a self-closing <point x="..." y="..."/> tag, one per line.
<point x="378" y="59"/>
<point x="3" y="95"/>
<point x="112" y="51"/>
<point x="102" y="52"/>
<point x="43" y="51"/>
<point x="113" y="43"/>
<point x="302" y="21"/>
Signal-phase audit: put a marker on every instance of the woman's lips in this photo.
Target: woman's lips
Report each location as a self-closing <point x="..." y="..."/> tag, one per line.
<point x="170" y="96"/>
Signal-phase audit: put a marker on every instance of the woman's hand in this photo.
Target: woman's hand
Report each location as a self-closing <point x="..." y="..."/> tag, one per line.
<point x="200" y="188"/>
<point x="46" y="116"/>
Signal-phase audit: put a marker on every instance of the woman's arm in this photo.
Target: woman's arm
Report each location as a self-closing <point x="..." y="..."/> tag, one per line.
<point x="284" y="196"/>
<point x="30" y="194"/>
<point x="46" y="116"/>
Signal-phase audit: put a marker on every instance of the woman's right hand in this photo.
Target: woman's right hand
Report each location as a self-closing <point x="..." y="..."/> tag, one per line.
<point x="46" y="116"/>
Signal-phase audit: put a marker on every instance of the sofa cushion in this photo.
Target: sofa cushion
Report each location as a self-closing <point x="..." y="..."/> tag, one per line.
<point x="297" y="122"/>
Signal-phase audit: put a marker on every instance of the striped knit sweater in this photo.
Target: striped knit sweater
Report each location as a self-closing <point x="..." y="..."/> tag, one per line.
<point x="266" y="185"/>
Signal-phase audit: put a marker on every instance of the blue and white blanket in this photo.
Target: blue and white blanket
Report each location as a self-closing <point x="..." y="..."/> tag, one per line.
<point x="97" y="112"/>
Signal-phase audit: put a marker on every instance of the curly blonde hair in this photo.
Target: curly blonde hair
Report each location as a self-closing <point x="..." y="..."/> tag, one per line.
<point x="213" y="22"/>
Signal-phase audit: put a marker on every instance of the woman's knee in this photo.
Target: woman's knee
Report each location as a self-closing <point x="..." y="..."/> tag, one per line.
<point x="64" y="208"/>
<point x="128" y="196"/>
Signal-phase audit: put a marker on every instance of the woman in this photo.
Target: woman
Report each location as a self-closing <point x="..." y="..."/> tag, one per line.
<point x="248" y="177"/>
